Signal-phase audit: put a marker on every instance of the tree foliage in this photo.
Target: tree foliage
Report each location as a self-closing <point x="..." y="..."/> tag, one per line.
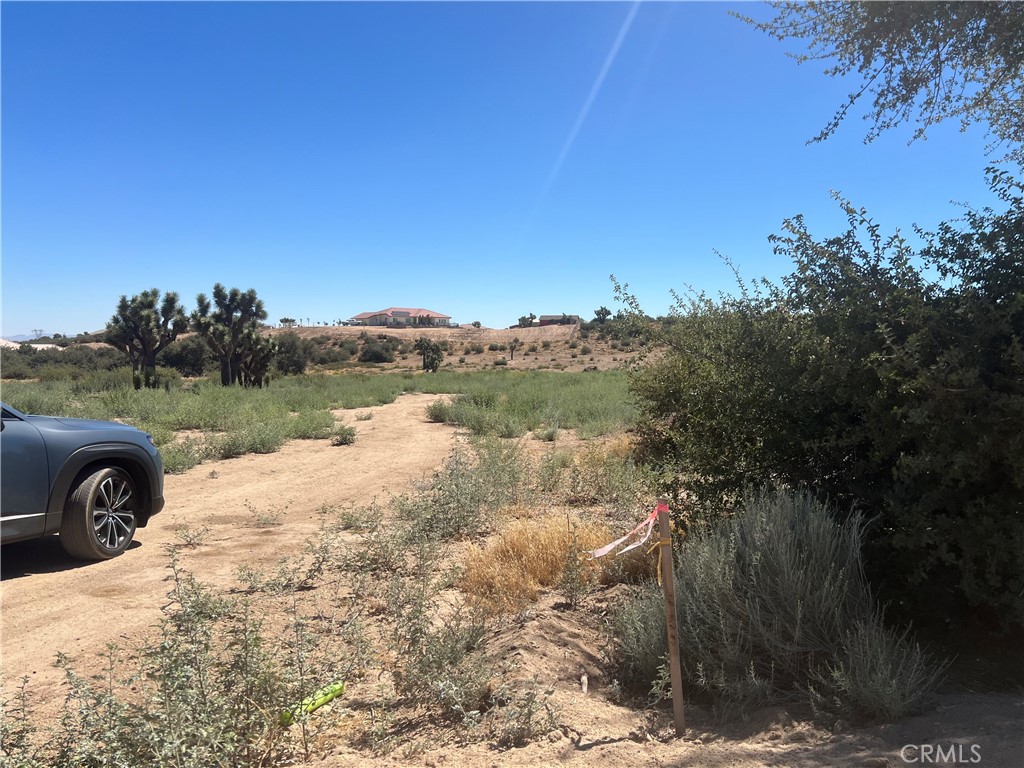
<point x="230" y="326"/>
<point x="190" y="356"/>
<point x="921" y="62"/>
<point x="881" y="378"/>
<point x="293" y="352"/>
<point x="141" y="327"/>
<point x="527" y="320"/>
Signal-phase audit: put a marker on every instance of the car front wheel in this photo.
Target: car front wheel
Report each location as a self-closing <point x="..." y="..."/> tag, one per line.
<point x="100" y="516"/>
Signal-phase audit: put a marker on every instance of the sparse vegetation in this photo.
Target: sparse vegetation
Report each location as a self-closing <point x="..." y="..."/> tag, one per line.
<point x="773" y="607"/>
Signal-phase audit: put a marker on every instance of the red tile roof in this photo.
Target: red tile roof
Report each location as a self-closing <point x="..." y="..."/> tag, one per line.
<point x="410" y="311"/>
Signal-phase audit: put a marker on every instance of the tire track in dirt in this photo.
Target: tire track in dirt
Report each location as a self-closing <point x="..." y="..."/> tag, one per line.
<point x="52" y="604"/>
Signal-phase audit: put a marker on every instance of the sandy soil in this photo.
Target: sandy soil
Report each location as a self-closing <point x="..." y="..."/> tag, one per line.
<point x="51" y="605"/>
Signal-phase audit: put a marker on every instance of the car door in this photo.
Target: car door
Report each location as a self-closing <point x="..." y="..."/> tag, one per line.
<point x="24" y="479"/>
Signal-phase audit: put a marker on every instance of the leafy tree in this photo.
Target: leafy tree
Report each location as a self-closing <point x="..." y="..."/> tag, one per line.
<point x="527" y="320"/>
<point x="293" y="353"/>
<point x="432" y="353"/>
<point x="602" y="314"/>
<point x="141" y="327"/>
<point x="926" y="62"/>
<point x="190" y="356"/>
<point x="227" y="326"/>
<point x="287" y="322"/>
<point x="875" y="385"/>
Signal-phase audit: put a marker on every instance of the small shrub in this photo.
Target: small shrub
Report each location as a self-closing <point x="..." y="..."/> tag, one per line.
<point x="311" y="425"/>
<point x="343" y="435"/>
<point x="255" y="438"/>
<point x="520" y="715"/>
<point x="266" y="518"/>
<point x="191" y="538"/>
<point x="773" y="607"/>
<point x="440" y="412"/>
<point x="181" y="456"/>
<point x="548" y="434"/>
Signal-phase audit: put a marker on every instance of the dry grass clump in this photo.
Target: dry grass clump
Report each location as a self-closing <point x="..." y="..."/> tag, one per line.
<point x="508" y="572"/>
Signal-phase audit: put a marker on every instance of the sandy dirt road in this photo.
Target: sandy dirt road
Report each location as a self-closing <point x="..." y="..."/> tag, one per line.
<point x="52" y="604"/>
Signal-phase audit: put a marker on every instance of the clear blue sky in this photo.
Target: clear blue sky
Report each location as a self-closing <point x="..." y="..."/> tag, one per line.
<point x="485" y="160"/>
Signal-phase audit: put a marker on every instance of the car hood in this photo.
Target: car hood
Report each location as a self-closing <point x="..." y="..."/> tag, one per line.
<point x="57" y="422"/>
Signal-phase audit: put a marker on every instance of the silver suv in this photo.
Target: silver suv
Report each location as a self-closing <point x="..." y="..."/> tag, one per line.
<point x="93" y="482"/>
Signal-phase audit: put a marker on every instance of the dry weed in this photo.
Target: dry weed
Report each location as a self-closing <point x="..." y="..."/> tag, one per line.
<point x="508" y="572"/>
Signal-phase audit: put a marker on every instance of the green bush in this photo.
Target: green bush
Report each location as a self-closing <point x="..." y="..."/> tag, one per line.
<point x="293" y="353"/>
<point x="213" y="686"/>
<point x="875" y="376"/>
<point x="311" y="425"/>
<point x="190" y="356"/>
<point x="773" y="606"/>
<point x="256" y="438"/>
<point x="439" y="412"/>
<point x="375" y="352"/>
<point x="343" y="435"/>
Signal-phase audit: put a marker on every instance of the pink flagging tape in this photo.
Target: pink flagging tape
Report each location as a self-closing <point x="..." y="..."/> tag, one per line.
<point x="647" y="523"/>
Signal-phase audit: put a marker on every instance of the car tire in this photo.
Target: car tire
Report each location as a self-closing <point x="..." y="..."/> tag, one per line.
<point x="100" y="516"/>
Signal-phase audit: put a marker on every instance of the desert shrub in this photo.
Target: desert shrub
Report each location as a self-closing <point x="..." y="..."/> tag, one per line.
<point x="875" y="376"/>
<point x="501" y="361"/>
<point x="585" y="350"/>
<point x="374" y="352"/>
<point x="190" y="356"/>
<point x="311" y="425"/>
<point x="208" y="644"/>
<point x="343" y="435"/>
<point x="548" y="433"/>
<point x="470" y="486"/>
<point x="522" y="714"/>
<point x="439" y="412"/>
<point x="256" y="438"/>
<point x="773" y="606"/>
<point x="293" y="353"/>
<point x="181" y="456"/>
<point x="439" y="663"/>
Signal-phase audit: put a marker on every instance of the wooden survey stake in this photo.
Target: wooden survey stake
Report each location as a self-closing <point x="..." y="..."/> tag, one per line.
<point x="669" y="585"/>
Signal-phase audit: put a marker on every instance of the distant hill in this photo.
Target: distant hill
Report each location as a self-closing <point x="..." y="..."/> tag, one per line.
<point x="24" y="337"/>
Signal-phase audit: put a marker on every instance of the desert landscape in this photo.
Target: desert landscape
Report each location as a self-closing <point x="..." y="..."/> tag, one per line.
<point x="51" y="605"/>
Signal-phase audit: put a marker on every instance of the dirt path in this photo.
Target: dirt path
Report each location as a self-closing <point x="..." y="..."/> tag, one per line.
<point x="51" y="604"/>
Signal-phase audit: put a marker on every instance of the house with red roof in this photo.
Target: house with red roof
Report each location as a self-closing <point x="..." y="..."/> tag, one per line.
<point x="402" y="316"/>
